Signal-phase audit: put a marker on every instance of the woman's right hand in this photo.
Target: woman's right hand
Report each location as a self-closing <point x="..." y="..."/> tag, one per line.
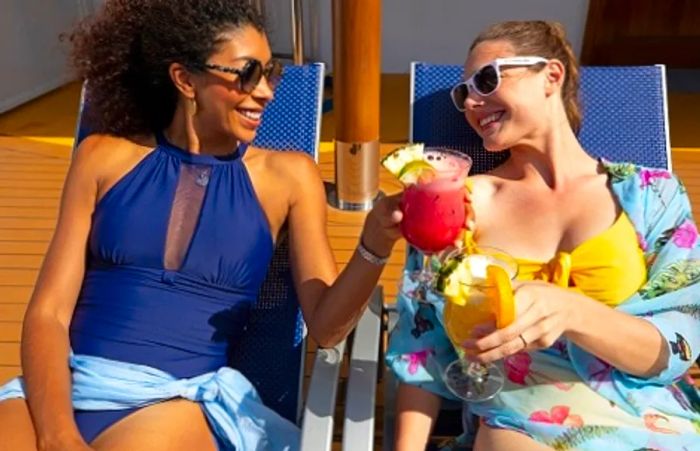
<point x="381" y="229"/>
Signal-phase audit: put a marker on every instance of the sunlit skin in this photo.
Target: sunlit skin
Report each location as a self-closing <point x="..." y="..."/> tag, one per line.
<point x="220" y="121"/>
<point x="289" y="188"/>
<point x="562" y="196"/>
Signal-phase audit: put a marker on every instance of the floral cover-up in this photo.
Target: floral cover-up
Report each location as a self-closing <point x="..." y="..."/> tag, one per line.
<point x="569" y="399"/>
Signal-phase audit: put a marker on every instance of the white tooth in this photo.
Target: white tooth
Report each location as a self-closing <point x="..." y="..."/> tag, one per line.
<point x="488" y="119"/>
<point x="252" y="114"/>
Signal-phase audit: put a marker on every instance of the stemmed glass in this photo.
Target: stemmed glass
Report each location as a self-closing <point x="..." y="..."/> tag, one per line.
<point x="484" y="294"/>
<point x="434" y="211"/>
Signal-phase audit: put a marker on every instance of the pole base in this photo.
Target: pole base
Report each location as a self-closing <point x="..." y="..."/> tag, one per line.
<point x="333" y="201"/>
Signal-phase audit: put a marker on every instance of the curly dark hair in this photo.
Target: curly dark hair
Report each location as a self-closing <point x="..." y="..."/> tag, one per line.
<point x="124" y="53"/>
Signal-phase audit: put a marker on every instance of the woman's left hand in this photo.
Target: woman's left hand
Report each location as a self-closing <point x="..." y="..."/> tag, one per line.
<point x="543" y="314"/>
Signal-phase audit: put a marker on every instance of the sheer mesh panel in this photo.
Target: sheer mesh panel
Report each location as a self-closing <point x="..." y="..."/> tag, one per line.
<point x="189" y="195"/>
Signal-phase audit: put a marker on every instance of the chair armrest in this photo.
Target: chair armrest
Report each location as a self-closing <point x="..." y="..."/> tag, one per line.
<point x="390" y="385"/>
<point x="317" y="422"/>
<point x="358" y="425"/>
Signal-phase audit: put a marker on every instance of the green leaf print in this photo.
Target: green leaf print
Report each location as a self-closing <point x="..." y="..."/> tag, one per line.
<point x="664" y="238"/>
<point x="574" y="437"/>
<point x="620" y="171"/>
<point x="674" y="277"/>
<point x="688" y="309"/>
<point x="696" y="425"/>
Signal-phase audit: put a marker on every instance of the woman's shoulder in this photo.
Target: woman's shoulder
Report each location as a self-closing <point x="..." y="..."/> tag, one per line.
<point x="104" y="155"/>
<point x="482" y="185"/>
<point x="287" y="165"/>
<point x="105" y="149"/>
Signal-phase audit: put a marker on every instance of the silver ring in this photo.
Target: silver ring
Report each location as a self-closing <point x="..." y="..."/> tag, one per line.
<point x="523" y="340"/>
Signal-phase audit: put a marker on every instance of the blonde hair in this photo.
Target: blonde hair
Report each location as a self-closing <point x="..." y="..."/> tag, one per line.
<point x="548" y="40"/>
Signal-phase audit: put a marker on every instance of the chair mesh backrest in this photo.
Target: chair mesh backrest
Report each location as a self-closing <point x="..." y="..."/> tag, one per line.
<point x="624" y="114"/>
<point x="292" y="120"/>
<point x="271" y="353"/>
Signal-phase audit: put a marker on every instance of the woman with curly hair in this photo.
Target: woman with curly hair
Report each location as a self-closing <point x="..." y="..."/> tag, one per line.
<point x="168" y="218"/>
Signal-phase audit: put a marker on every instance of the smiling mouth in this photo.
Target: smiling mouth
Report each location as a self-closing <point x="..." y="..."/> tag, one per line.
<point x="490" y="119"/>
<point x="253" y="115"/>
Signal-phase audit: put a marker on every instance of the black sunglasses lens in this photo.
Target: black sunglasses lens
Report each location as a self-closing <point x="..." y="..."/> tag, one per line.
<point x="459" y="95"/>
<point x="273" y="73"/>
<point x="486" y="80"/>
<point x="250" y="75"/>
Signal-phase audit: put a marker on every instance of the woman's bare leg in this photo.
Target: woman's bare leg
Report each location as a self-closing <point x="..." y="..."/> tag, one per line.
<point x="492" y="439"/>
<point x="16" y="428"/>
<point x="172" y="425"/>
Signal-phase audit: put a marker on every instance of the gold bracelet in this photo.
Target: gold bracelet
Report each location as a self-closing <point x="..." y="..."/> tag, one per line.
<point x="369" y="256"/>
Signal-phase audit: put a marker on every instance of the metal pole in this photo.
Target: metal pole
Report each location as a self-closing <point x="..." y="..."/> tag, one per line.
<point x="260" y="6"/>
<point x="297" y="32"/>
<point x="356" y="77"/>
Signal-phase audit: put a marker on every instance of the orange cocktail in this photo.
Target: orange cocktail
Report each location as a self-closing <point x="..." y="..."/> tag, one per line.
<point x="477" y="290"/>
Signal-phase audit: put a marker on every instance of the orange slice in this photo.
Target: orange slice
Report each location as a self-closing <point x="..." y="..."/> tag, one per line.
<point x="500" y="294"/>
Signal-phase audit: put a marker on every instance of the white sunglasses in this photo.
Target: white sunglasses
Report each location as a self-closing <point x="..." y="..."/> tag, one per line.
<point x="486" y="80"/>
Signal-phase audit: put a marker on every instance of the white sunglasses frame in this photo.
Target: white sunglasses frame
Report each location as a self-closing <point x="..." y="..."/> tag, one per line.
<point x="496" y="64"/>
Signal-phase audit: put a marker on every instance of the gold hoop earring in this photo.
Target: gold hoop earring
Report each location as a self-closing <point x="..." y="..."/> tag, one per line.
<point x="192" y="106"/>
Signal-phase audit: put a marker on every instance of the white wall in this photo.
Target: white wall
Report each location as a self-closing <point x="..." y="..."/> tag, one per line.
<point x="438" y="31"/>
<point x="33" y="59"/>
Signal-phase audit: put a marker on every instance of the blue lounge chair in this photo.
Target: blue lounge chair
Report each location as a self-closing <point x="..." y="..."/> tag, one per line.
<point x="273" y="350"/>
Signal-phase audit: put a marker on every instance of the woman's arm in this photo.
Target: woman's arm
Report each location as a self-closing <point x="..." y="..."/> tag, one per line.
<point x="45" y="343"/>
<point x="333" y="305"/>
<point x="546" y="312"/>
<point x="638" y="336"/>
<point x="628" y="343"/>
<point x="416" y="412"/>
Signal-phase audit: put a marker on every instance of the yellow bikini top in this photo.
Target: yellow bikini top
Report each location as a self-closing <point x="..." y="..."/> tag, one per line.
<point x="609" y="267"/>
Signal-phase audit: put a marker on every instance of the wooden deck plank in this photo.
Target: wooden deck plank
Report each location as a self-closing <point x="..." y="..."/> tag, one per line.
<point x="10" y="331"/>
<point x="9" y="356"/>
<point x="12" y="312"/>
<point x="21" y="261"/>
<point x="27" y="224"/>
<point x="10" y="277"/>
<point x="15" y="295"/>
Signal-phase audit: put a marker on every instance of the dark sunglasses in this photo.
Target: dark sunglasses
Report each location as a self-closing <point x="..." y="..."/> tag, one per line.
<point x="487" y="79"/>
<point x="249" y="75"/>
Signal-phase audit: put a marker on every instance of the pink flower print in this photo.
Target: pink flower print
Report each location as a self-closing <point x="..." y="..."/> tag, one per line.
<point x="685" y="236"/>
<point x="417" y="359"/>
<point x="518" y="371"/>
<point x="648" y="176"/>
<point x="557" y="415"/>
<point x="642" y="242"/>
<point x="517" y="367"/>
<point x="652" y="420"/>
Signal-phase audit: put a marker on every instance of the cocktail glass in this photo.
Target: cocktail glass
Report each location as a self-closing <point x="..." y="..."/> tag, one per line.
<point x="485" y="296"/>
<point x="434" y="211"/>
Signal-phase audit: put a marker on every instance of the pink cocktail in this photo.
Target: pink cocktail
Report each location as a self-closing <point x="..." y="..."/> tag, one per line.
<point x="434" y="206"/>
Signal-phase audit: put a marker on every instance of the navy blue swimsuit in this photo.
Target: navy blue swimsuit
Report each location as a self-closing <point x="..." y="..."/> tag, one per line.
<point x="178" y="250"/>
